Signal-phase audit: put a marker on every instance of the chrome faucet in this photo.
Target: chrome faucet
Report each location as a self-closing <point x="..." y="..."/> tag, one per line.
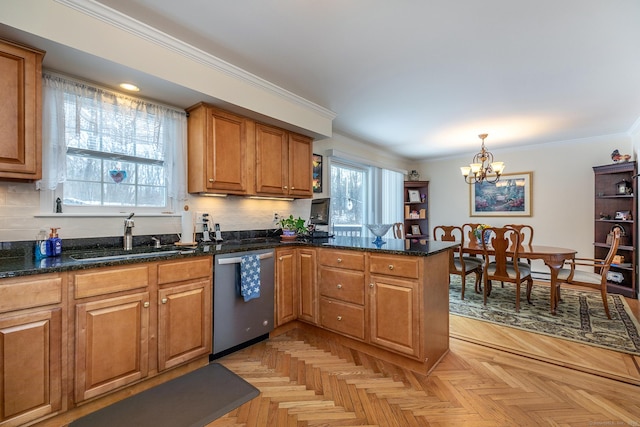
<point x="156" y="242"/>
<point x="128" y="233"/>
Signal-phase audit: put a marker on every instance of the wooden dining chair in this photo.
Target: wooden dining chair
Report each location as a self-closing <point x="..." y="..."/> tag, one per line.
<point x="526" y="237"/>
<point x="504" y="267"/>
<point x="398" y="230"/>
<point x="596" y="279"/>
<point x="468" y="229"/>
<point x="459" y="264"/>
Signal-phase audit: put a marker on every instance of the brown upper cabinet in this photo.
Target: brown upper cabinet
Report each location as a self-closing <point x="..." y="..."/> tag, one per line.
<point x="218" y="155"/>
<point x="231" y="154"/>
<point x="283" y="163"/>
<point x="21" y="112"/>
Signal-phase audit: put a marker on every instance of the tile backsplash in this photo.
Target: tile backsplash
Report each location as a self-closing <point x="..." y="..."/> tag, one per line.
<point x="20" y="215"/>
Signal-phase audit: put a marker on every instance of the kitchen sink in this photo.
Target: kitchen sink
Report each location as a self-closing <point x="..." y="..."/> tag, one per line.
<point x="92" y="257"/>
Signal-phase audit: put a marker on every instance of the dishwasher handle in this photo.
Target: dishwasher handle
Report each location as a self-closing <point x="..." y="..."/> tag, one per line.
<point x="238" y="260"/>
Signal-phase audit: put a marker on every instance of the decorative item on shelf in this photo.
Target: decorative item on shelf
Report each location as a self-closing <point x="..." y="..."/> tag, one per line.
<point x="414" y="215"/>
<point x="415" y="230"/>
<point x="423" y="198"/>
<point x="615" y="276"/>
<point x="379" y="230"/>
<point x="623" y="235"/>
<point x="478" y="233"/>
<point x="624" y="187"/>
<point x="292" y="227"/>
<point x="619" y="158"/>
<point x="414" y="175"/>
<point x="623" y="215"/>
<point x="618" y="259"/>
<point x="481" y="166"/>
<point x="604" y="216"/>
<point x="414" y="196"/>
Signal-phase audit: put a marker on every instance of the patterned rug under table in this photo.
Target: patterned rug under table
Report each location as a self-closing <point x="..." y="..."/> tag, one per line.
<point x="580" y="315"/>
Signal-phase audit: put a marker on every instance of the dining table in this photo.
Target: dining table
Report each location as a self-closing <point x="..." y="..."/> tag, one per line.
<point x="554" y="257"/>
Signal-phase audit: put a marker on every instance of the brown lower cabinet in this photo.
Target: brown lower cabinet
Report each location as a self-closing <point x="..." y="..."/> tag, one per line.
<point x="86" y="333"/>
<point x="133" y="322"/>
<point x="396" y="303"/>
<point x="31" y="352"/>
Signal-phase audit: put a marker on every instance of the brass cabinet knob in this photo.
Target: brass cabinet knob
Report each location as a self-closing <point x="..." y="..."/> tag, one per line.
<point x="285" y="187"/>
<point x="280" y="259"/>
<point x="146" y="304"/>
<point x="293" y="188"/>
<point x="371" y="285"/>
<point x="164" y="300"/>
<point x="339" y="286"/>
<point x="339" y="318"/>
<point x="339" y="259"/>
<point x="390" y="266"/>
<point x="210" y="179"/>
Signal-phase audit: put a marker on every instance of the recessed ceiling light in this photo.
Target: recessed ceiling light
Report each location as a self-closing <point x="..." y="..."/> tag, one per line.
<point x="130" y="87"/>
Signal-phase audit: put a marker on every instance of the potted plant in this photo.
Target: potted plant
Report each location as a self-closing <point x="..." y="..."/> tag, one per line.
<point x="291" y="227"/>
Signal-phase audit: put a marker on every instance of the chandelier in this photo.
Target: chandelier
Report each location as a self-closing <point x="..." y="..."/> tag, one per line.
<point x="482" y="166"/>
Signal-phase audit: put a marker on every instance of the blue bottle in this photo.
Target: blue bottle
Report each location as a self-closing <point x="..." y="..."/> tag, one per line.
<point x="54" y="243"/>
<point x="40" y="250"/>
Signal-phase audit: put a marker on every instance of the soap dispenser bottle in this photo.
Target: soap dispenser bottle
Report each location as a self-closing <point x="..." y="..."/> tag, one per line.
<point x="40" y="250"/>
<point x="54" y="243"/>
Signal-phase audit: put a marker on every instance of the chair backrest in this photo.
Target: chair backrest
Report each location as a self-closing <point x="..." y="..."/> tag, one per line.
<point x="608" y="260"/>
<point x="468" y="229"/>
<point x="505" y="242"/>
<point x="398" y="230"/>
<point x="526" y="233"/>
<point x="451" y="233"/>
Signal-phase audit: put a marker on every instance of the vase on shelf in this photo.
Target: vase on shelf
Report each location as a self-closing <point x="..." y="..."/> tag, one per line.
<point x="414" y="175"/>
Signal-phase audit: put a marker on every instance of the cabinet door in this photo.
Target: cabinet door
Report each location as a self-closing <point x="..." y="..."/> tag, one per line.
<point x="395" y="317"/>
<point x="300" y="166"/>
<point x="30" y="365"/>
<point x="184" y="329"/>
<point x="20" y="115"/>
<point x="286" y="290"/>
<point x="307" y="271"/>
<point x="112" y="346"/>
<point x="271" y="161"/>
<point x="226" y="154"/>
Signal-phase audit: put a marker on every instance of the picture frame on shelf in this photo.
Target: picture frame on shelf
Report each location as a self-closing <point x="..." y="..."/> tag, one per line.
<point x="317" y="173"/>
<point x="414" y="196"/>
<point x="510" y="196"/>
<point x="415" y="230"/>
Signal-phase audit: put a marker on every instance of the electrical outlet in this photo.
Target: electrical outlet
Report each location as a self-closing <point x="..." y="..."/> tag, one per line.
<point x="276" y="217"/>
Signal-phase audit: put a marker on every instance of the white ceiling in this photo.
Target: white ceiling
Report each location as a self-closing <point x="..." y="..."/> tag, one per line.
<point x="423" y="78"/>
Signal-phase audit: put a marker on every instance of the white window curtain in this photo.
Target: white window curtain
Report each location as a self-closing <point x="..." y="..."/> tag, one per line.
<point x="171" y="123"/>
<point x="392" y="196"/>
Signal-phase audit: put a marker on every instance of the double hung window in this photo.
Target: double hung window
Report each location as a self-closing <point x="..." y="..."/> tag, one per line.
<point x="106" y="150"/>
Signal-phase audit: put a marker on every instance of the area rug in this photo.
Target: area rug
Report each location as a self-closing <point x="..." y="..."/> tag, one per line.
<point x="580" y="316"/>
<point x="192" y="400"/>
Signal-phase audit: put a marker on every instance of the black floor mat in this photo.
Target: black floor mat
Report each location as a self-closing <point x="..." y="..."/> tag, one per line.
<point x="192" y="400"/>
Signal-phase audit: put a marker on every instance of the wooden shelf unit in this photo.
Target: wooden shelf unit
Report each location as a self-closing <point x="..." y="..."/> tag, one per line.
<point x="608" y="201"/>
<point x="421" y="207"/>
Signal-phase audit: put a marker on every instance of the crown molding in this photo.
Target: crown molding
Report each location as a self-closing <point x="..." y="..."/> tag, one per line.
<point x="139" y="29"/>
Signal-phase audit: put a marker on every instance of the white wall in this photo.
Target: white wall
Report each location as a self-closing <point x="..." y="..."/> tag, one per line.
<point x="562" y="189"/>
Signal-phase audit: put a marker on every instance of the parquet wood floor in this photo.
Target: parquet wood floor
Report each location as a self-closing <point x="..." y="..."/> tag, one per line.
<point x="308" y="381"/>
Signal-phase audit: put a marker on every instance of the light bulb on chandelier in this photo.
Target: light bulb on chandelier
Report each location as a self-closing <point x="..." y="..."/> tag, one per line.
<point x="482" y="166"/>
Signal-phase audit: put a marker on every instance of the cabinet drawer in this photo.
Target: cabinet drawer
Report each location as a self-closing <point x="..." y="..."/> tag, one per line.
<point x="342" y="259"/>
<point x="106" y="281"/>
<point x="20" y="293"/>
<point x="176" y="271"/>
<point x="395" y="266"/>
<point x="342" y="284"/>
<point x="341" y="317"/>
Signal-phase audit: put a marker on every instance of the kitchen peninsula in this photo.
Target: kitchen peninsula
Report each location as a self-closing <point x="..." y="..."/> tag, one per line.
<point x="391" y="301"/>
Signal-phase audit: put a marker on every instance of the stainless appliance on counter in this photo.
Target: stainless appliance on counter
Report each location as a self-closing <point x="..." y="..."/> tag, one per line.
<point x="236" y="322"/>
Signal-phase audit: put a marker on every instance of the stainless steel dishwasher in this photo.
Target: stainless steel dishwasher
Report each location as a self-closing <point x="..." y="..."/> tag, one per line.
<point x="235" y="321"/>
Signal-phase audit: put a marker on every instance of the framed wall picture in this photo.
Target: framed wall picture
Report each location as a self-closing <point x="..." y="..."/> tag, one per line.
<point x="414" y="196"/>
<point x="510" y="196"/>
<point x="317" y="173"/>
<point x="415" y="230"/>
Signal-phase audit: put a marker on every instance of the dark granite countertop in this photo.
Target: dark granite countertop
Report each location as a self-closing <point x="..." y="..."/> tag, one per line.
<point x="19" y="261"/>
